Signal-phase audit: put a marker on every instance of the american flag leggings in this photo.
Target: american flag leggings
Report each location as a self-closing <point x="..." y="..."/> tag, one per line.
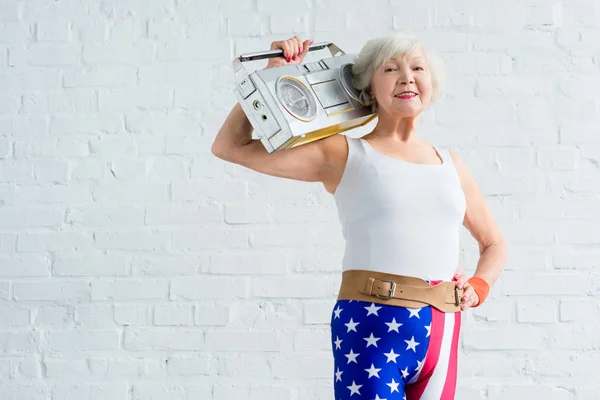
<point x="385" y="352"/>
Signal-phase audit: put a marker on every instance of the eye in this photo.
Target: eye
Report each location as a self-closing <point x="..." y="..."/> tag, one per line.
<point x="389" y="69"/>
<point x="420" y="68"/>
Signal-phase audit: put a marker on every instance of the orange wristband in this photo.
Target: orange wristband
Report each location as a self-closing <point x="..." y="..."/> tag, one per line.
<point x="481" y="287"/>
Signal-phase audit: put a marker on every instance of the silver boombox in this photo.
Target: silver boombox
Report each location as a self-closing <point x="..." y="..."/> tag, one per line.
<point x="299" y="103"/>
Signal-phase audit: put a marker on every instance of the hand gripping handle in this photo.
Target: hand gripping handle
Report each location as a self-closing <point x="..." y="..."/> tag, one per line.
<point x="260" y="55"/>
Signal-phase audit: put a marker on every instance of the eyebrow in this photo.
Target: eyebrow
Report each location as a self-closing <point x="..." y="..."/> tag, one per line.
<point x="419" y="58"/>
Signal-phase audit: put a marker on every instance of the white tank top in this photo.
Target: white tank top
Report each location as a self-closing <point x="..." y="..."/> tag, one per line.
<point x="400" y="217"/>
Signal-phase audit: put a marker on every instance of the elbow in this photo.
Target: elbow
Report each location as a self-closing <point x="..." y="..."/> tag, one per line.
<point x="218" y="152"/>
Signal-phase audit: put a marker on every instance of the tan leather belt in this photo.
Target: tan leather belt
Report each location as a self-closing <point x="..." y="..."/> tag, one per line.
<point x="399" y="290"/>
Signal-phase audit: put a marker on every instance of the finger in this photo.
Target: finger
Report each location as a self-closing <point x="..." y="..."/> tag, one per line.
<point x="278" y="45"/>
<point x="294" y="45"/>
<point x="298" y="46"/>
<point x="468" y="295"/>
<point x="287" y="50"/>
<point x="461" y="281"/>
<point x="306" y="47"/>
<point x="457" y="274"/>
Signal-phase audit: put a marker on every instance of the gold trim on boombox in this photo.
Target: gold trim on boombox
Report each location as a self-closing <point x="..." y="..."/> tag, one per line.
<point x="329" y="131"/>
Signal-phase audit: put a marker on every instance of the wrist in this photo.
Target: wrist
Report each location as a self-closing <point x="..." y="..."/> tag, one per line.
<point x="481" y="288"/>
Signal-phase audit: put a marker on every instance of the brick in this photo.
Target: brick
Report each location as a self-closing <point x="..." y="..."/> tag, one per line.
<point x="51" y="291"/>
<point x="293" y="287"/>
<point x="207" y="288"/>
<point x="506" y="337"/>
<point x="31" y="216"/>
<point x="53" y="316"/>
<point x="25" y="265"/>
<point x="524" y="390"/>
<point x="107" y="216"/>
<point x="303" y="367"/>
<point x="212" y="315"/>
<point x="173" y="314"/>
<point x="19" y="342"/>
<point x="161" y="391"/>
<point x="129" y="289"/>
<point x="116" y="391"/>
<point x="132" y="240"/>
<point x="243" y="341"/>
<point x="14" y="317"/>
<point x="537" y="310"/>
<point x="159" y="339"/>
<point x="516" y="283"/>
<point x="248" y="263"/>
<point x="54" y="241"/>
<point x="52" y="31"/>
<point x="94" y="316"/>
<point x="132" y="314"/>
<point x="82" y="340"/>
<point x="317" y="313"/>
<point x="102" y="265"/>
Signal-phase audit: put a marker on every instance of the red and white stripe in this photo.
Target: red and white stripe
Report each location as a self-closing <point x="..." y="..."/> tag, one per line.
<point x="437" y="378"/>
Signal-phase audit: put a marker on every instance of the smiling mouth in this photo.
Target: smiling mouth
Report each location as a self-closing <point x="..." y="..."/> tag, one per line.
<point x="406" y="95"/>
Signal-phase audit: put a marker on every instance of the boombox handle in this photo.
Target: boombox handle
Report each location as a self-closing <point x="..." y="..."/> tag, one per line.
<point x="260" y="55"/>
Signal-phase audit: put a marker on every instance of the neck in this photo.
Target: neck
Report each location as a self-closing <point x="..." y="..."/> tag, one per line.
<point x="396" y="128"/>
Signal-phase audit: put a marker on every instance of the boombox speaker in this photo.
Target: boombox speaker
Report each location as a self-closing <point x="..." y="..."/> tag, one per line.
<point x="296" y="104"/>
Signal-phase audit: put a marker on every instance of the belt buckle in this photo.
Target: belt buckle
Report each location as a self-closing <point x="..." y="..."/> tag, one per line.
<point x="392" y="290"/>
<point x="456" y="297"/>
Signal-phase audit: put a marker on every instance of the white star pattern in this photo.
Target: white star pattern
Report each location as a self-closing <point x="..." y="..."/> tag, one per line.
<point x="393" y="326"/>
<point x="404" y="372"/>
<point x="419" y="365"/>
<point x="373" y="371"/>
<point x="411" y="344"/>
<point x="352" y="325"/>
<point x="391" y="356"/>
<point x="377" y="348"/>
<point x="372" y="309"/>
<point x="393" y="386"/>
<point x="337" y="312"/>
<point x="354" y="389"/>
<point x="352" y="356"/>
<point x="338" y="343"/>
<point x="371" y="340"/>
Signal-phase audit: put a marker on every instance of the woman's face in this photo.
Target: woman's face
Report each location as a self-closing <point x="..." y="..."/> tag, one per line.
<point x="395" y="77"/>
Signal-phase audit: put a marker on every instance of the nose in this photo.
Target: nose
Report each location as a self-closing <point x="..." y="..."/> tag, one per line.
<point x="406" y="76"/>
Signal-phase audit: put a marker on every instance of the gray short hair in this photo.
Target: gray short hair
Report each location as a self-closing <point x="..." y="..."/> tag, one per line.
<point x="378" y="50"/>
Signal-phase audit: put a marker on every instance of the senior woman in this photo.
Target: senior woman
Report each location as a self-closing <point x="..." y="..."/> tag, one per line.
<point x="401" y="202"/>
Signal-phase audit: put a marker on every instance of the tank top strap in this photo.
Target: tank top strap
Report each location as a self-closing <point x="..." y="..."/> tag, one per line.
<point x="356" y="149"/>
<point x="445" y="154"/>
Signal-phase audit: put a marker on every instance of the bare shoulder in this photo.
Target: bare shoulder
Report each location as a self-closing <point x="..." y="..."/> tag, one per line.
<point x="336" y="148"/>
<point x="461" y="169"/>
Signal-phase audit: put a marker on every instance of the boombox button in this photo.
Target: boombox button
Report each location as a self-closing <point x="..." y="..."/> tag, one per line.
<point x="246" y="87"/>
<point x="312" y="67"/>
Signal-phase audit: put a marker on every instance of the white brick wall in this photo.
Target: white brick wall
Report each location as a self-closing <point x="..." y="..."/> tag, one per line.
<point x="136" y="266"/>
